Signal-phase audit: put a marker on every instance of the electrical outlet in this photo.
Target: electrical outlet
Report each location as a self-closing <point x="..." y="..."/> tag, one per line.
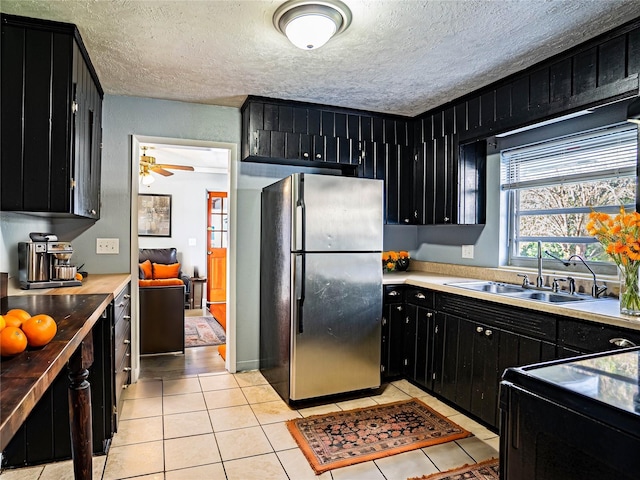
<point x="467" y="251"/>
<point x="107" y="246"/>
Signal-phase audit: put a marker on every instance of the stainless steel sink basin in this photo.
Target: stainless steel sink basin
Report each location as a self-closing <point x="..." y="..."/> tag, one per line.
<point x="490" y="287"/>
<point x="517" y="291"/>
<point x="551" y="297"/>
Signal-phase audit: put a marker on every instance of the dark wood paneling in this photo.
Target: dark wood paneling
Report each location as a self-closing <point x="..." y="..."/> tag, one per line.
<point x="377" y="128"/>
<point x="300" y="120"/>
<point x="560" y="80"/>
<point x="313" y="121"/>
<point x="612" y="60"/>
<point x="585" y="71"/>
<point x="328" y="124"/>
<point x="487" y="109"/>
<point x="503" y="102"/>
<point x="271" y="117"/>
<point x="285" y="119"/>
<point x="11" y="152"/>
<point x="633" y="52"/>
<point x="539" y="89"/>
<point x="353" y="127"/>
<point x="340" y="127"/>
<point x="392" y="184"/>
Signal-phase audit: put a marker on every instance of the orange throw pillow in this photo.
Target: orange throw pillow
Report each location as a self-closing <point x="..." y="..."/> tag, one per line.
<point x="160" y="270"/>
<point x="160" y="282"/>
<point x="147" y="269"/>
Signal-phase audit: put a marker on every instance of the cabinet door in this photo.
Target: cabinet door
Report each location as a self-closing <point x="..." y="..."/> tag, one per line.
<point x="395" y="317"/>
<point x="424" y="349"/>
<point x="408" y="214"/>
<point x="409" y="342"/>
<point x="446" y="356"/>
<point x="392" y="184"/>
<point x="485" y="384"/>
<point x="87" y="132"/>
<point x="36" y="109"/>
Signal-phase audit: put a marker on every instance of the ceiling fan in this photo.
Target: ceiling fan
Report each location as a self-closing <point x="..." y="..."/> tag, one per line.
<point x="148" y="164"/>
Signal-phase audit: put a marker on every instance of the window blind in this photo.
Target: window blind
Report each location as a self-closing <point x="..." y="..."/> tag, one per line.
<point x="603" y="153"/>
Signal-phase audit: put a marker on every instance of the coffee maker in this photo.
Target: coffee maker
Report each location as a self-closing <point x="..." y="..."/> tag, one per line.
<point x="44" y="262"/>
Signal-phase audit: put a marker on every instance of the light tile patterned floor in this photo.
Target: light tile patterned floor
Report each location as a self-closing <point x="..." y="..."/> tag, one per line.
<point x="225" y="426"/>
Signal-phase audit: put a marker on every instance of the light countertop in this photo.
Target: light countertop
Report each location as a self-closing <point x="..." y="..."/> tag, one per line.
<point x="606" y="311"/>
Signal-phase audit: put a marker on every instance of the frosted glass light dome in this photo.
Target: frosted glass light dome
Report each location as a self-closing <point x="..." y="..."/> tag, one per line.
<point x="309" y="24"/>
<point x="310" y="31"/>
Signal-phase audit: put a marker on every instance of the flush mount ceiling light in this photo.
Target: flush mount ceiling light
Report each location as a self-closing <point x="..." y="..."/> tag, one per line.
<point x="310" y="24"/>
<point x="633" y="111"/>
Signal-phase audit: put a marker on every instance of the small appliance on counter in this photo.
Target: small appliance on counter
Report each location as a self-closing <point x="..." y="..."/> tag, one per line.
<point x="44" y="262"/>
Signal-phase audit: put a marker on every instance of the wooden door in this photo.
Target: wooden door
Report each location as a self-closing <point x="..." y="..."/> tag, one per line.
<point x="217" y="237"/>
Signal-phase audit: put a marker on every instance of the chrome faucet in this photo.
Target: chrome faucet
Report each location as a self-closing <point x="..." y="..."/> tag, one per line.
<point x="596" y="290"/>
<point x="540" y="278"/>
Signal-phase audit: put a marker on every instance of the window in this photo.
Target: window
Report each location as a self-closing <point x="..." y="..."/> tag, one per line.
<point x="553" y="186"/>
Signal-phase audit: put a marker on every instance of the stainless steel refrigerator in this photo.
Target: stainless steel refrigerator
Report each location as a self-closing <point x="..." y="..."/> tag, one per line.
<point x="321" y="285"/>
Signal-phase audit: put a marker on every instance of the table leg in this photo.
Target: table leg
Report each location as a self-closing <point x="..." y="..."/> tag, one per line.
<point x="80" y="409"/>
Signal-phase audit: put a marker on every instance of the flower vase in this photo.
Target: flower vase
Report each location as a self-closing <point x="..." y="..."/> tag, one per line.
<point x="629" y="289"/>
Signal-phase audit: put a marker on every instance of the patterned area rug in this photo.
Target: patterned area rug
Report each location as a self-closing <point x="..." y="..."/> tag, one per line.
<point x="487" y="470"/>
<point x="202" y="331"/>
<point x="344" y="438"/>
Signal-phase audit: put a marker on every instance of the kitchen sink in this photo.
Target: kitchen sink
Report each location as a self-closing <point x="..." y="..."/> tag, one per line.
<point x="551" y="297"/>
<point x="490" y="287"/>
<point x="527" y="293"/>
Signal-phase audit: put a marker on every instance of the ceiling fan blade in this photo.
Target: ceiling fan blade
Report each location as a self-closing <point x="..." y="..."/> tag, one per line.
<point x="176" y="167"/>
<point x="161" y="171"/>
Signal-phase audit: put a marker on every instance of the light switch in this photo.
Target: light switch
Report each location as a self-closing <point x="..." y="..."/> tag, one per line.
<point x="107" y="246"/>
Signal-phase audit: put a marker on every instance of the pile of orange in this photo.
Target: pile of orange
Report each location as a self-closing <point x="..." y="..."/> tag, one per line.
<point x="19" y="329"/>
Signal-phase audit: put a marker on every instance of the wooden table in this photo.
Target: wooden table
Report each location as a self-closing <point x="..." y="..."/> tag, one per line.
<point x="25" y="377"/>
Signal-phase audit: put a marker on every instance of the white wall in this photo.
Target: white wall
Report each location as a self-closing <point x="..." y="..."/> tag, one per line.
<point x="188" y="192"/>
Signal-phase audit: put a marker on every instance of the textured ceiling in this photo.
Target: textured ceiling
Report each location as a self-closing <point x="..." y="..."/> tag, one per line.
<point x="398" y="56"/>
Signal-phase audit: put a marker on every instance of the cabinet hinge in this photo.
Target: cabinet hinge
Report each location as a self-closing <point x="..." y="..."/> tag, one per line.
<point x="73" y="183"/>
<point x="381" y="368"/>
<point x="384" y="321"/>
<point x="436" y="329"/>
<point x="433" y="376"/>
<point x="115" y="410"/>
<point x="406" y="362"/>
<point x="74" y="107"/>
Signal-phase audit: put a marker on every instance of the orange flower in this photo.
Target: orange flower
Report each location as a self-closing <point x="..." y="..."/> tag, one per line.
<point x="393" y="256"/>
<point x="619" y="235"/>
<point x="404" y="254"/>
<point x="391" y="265"/>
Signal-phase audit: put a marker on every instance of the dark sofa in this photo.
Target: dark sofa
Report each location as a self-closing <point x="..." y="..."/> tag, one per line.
<point x="162" y="304"/>
<point x="166" y="256"/>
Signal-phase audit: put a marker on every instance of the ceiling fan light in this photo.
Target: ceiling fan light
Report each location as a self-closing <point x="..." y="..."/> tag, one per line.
<point x="147" y="179"/>
<point x="310" y="24"/>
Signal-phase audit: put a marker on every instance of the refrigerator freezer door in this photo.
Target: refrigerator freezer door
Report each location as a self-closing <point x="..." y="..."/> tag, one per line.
<point x="336" y="334"/>
<point x="337" y="214"/>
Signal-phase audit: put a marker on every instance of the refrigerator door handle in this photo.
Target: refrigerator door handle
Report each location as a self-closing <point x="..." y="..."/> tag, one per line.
<point x="300" y="275"/>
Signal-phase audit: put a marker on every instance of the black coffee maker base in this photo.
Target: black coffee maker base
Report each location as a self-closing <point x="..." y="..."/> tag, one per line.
<point x="50" y="284"/>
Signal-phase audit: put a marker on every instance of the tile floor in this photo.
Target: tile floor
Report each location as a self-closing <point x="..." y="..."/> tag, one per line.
<point x="222" y="426"/>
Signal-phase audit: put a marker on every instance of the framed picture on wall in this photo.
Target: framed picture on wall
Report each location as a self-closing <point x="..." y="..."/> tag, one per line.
<point x="154" y="215"/>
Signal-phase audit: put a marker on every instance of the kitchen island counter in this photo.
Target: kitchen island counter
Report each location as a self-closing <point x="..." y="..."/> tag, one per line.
<point x="25" y="377"/>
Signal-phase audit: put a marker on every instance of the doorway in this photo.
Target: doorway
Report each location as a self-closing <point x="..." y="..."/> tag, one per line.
<point x="217" y="240"/>
<point x="192" y="247"/>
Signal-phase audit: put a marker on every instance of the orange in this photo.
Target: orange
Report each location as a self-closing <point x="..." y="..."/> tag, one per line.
<point x="12" y="321"/>
<point x="18" y="312"/>
<point x="2" y="322"/>
<point x="40" y="330"/>
<point x="12" y="341"/>
<point x="79" y="276"/>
